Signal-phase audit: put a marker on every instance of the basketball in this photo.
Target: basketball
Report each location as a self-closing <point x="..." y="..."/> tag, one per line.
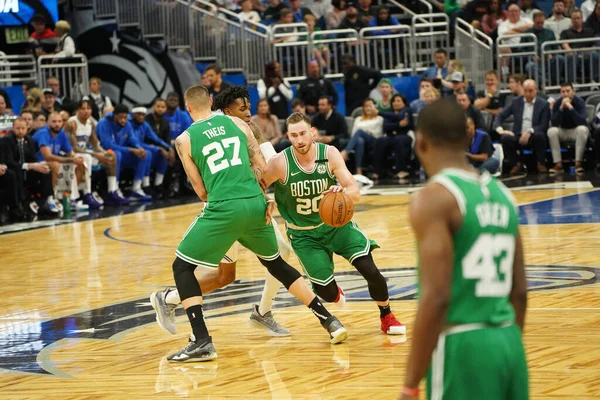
<point x="336" y="209"/>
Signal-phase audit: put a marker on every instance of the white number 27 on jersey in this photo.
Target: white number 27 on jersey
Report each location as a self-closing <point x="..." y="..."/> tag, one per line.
<point x="215" y="161"/>
<point x="481" y="262"/>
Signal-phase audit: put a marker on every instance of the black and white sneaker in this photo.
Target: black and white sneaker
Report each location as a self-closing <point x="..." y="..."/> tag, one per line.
<point x="195" y="351"/>
<point x="165" y="312"/>
<point x="337" y="332"/>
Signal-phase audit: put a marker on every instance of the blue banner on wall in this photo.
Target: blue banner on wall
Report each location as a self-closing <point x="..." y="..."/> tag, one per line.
<point x="20" y="12"/>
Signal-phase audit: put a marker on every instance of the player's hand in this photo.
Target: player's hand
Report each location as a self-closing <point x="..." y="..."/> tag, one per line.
<point x="525" y="138"/>
<point x="334" y="189"/>
<point x="78" y="161"/>
<point x="3" y="169"/>
<point x="164" y="153"/>
<point x="102" y="159"/>
<point x="42" y="168"/>
<point x="269" y="211"/>
<point x="505" y="132"/>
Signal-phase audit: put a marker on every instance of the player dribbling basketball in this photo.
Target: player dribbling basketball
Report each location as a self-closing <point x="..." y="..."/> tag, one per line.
<point x="302" y="174"/>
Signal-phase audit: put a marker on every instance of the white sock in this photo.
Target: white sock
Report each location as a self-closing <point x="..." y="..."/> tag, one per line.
<point x="112" y="184"/>
<point x="158" y="179"/>
<point x="173" y="297"/>
<point x="87" y="183"/>
<point x="137" y="185"/>
<point x="50" y="200"/>
<point x="146" y="181"/>
<point x="270" y="290"/>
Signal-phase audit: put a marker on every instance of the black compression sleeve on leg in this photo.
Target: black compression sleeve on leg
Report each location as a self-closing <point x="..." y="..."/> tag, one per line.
<point x="282" y="271"/>
<point x="185" y="280"/>
<point x="329" y="292"/>
<point x="376" y="282"/>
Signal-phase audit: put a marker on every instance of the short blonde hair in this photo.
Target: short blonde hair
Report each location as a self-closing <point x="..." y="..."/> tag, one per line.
<point x="63" y="26"/>
<point x="433" y="91"/>
<point x="296" y="118"/>
<point x="197" y="97"/>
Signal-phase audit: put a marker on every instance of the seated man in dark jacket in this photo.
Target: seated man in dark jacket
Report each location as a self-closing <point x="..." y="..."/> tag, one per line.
<point x="330" y="124"/>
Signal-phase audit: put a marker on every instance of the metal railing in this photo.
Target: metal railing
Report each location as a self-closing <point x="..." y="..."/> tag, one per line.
<point x="519" y="57"/>
<point x="390" y="53"/>
<point x="17" y="68"/>
<point x="71" y="72"/>
<point x="154" y="18"/>
<point x="581" y="66"/>
<point x="206" y="31"/>
<point x="291" y="48"/>
<point x="127" y="13"/>
<point x="256" y="49"/>
<point x="104" y="8"/>
<point x="475" y="49"/>
<point x="430" y="32"/>
<point x="339" y="42"/>
<point x="83" y="3"/>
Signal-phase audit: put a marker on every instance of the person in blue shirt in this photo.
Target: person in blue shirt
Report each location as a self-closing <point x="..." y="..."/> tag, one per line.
<point x="439" y="70"/>
<point x="116" y="133"/>
<point x="383" y="19"/>
<point x="480" y="150"/>
<point x="55" y="149"/>
<point x="178" y="119"/>
<point x="160" y="151"/>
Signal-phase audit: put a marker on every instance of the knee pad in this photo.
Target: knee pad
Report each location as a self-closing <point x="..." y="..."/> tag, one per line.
<point x="186" y="282"/>
<point x="281" y="271"/>
<point x="328" y="293"/>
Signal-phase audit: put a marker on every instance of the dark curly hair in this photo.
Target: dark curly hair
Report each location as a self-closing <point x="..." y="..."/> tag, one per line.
<point x="224" y="99"/>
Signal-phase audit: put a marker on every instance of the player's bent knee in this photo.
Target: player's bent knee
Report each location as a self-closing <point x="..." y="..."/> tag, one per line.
<point x="281" y="271"/>
<point x="183" y="272"/>
<point x="226" y="274"/>
<point x="329" y="292"/>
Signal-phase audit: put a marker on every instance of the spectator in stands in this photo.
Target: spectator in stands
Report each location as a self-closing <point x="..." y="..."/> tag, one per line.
<point x="580" y="61"/>
<point x="367" y="128"/>
<point x="569" y="123"/>
<point x="555" y="65"/>
<point x="438" y="70"/>
<point x="39" y="121"/>
<point x="385" y="90"/>
<point x="66" y="44"/>
<point x="430" y="95"/>
<point x="358" y="82"/>
<point x="204" y="81"/>
<point x="490" y="100"/>
<point x="531" y="118"/>
<point x="6" y="98"/>
<point x="593" y="21"/>
<point x="464" y="101"/>
<point x="417" y="105"/>
<point x="480" y="149"/>
<point x="298" y="12"/>
<point x="34" y="100"/>
<point x="396" y="125"/>
<point x="474" y="12"/>
<point x="81" y="130"/>
<point x="515" y="24"/>
<point x="102" y="104"/>
<point x="569" y="8"/>
<point x="528" y="9"/>
<point x="65" y="116"/>
<point x="493" y="18"/>
<point x="54" y="84"/>
<point x="365" y="11"/>
<point x="298" y="106"/>
<point x="55" y="149"/>
<point x="215" y="77"/>
<point x="9" y="192"/>
<point x="383" y="19"/>
<point x="285" y="18"/>
<point x="330" y="124"/>
<point x="247" y="13"/>
<point x="320" y="50"/>
<point x="587" y="8"/>
<point x="334" y="18"/>
<point x="276" y="90"/>
<point x="271" y="14"/>
<point x="116" y="134"/>
<point x="320" y="8"/>
<point x="42" y="38"/>
<point x="178" y="119"/>
<point x="558" y="22"/>
<point x="314" y="87"/>
<point x="352" y="20"/>
<point x="31" y="176"/>
<point x="596" y="130"/>
<point x="448" y="86"/>
<point x="27" y="116"/>
<point x="50" y="104"/>
<point x="515" y="85"/>
<point x="157" y="122"/>
<point x="269" y="126"/>
<point x="3" y="109"/>
<point x="160" y="151"/>
<point x="458" y="83"/>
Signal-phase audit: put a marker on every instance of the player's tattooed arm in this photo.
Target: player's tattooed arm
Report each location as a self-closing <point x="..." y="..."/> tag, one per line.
<point x="94" y="141"/>
<point x="257" y="132"/>
<point x="338" y="168"/>
<point x="183" y="145"/>
<point x="257" y="161"/>
<point x="71" y="130"/>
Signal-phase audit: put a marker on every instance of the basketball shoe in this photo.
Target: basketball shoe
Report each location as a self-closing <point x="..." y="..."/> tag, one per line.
<point x="337" y="332"/>
<point x="391" y="326"/>
<point x="195" y="351"/>
<point x="165" y="312"/>
<point x="268" y="322"/>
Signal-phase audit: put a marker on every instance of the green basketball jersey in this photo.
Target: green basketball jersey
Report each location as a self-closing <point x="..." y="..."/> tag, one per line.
<point x="220" y="151"/>
<point x="299" y="195"/>
<point x="484" y="248"/>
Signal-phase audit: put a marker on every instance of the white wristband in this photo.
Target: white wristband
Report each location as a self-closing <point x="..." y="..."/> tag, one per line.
<point x="25" y="166"/>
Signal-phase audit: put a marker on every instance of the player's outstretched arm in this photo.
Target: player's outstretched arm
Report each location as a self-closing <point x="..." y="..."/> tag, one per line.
<point x="276" y="170"/>
<point x="183" y="146"/>
<point x="518" y="294"/>
<point x="337" y="165"/>
<point x="431" y="213"/>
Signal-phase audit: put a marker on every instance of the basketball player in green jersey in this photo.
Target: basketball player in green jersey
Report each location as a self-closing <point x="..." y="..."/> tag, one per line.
<point x="303" y="174"/>
<point x="233" y="101"/>
<point x="472" y="286"/>
<point x="217" y="152"/>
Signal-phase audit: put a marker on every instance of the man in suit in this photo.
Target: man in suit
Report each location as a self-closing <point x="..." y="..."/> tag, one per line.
<point x="21" y="159"/>
<point x="531" y="118"/>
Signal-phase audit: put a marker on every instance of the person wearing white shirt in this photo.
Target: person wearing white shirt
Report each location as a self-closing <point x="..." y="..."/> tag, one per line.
<point x="515" y="24"/>
<point x="248" y="12"/>
<point x="587" y="8"/>
<point x="320" y="8"/>
<point x="365" y="131"/>
<point x="66" y="45"/>
<point x="558" y="22"/>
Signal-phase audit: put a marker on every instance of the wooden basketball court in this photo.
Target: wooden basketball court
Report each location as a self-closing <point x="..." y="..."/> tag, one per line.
<point x="75" y="321"/>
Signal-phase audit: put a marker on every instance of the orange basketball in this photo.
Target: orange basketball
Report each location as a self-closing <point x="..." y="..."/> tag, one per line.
<point x="336" y="209"/>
